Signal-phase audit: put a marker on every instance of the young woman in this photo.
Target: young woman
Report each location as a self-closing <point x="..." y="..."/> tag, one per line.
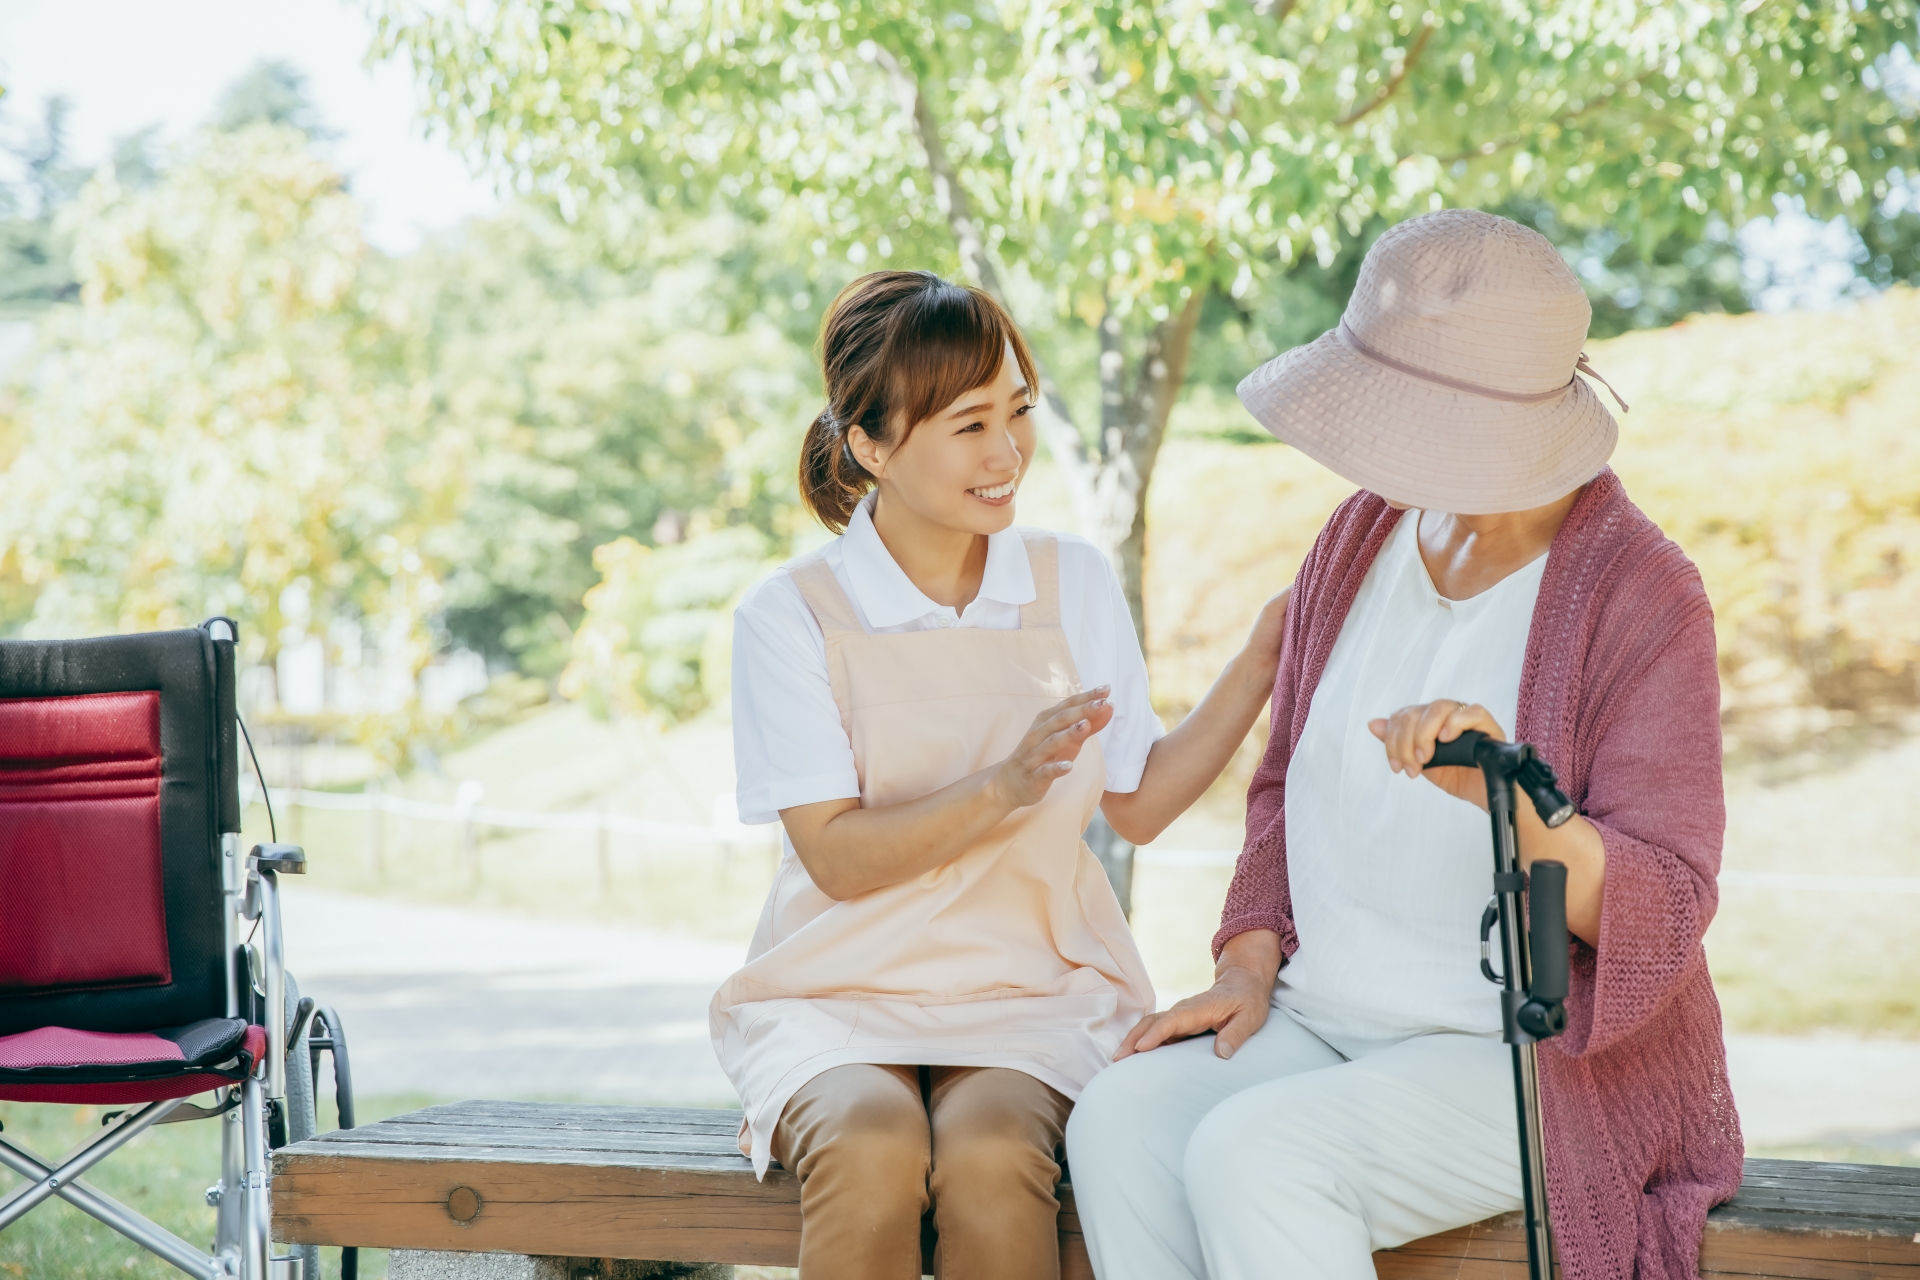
<point x="933" y="707"/>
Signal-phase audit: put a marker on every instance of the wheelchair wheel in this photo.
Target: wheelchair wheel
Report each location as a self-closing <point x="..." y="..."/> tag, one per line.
<point x="302" y="1122"/>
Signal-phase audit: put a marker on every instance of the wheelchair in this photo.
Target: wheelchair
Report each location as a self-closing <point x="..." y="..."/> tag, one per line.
<point x="141" y="951"/>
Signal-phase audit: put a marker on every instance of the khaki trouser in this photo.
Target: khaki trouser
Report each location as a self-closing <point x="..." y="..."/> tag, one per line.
<point x="872" y="1145"/>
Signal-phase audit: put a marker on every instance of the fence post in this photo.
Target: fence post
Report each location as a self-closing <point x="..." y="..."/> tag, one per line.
<point x="466" y="799"/>
<point x="604" y="856"/>
<point x="376" y="830"/>
<point x="296" y="780"/>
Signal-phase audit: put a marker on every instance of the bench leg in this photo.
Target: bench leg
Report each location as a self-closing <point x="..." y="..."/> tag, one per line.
<point x="431" y="1264"/>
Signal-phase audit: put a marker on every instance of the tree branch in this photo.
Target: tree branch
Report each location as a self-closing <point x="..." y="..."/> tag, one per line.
<point x="1136" y="447"/>
<point x="1063" y="437"/>
<point x="1163" y="371"/>
<point x="1391" y="87"/>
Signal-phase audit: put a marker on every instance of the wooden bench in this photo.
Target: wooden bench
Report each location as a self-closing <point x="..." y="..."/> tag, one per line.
<point x="605" y="1182"/>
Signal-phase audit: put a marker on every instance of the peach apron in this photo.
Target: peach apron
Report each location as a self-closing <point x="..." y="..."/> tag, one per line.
<point x="1014" y="954"/>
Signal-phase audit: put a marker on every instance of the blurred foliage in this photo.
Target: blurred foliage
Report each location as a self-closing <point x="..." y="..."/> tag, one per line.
<point x="1120" y="155"/>
<point x="273" y="92"/>
<point x="225" y="423"/>
<point x="34" y="267"/>
<point x="202" y="429"/>
<point x="1780" y="452"/>
<point x="604" y="384"/>
<point x="658" y="625"/>
<point x="246" y="411"/>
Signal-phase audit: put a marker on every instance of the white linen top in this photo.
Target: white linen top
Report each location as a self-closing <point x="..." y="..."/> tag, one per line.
<point x="1389" y="874"/>
<point x="789" y="747"/>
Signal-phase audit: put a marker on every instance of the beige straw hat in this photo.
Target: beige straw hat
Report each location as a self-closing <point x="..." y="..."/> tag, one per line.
<point x="1449" y="384"/>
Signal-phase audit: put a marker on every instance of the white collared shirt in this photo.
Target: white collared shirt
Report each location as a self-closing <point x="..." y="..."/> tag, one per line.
<point x="788" y="744"/>
<point x="1389" y="874"/>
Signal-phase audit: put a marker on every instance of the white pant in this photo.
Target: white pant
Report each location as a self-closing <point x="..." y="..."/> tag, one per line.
<point x="1291" y="1160"/>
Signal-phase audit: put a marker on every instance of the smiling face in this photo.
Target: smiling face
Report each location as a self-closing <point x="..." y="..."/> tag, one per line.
<point x="960" y="468"/>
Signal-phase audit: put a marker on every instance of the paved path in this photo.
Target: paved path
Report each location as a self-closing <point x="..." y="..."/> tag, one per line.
<point x="452" y="1002"/>
<point x="462" y="1004"/>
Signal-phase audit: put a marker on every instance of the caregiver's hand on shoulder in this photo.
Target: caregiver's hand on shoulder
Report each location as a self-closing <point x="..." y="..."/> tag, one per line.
<point x="1051" y="746"/>
<point x="1410" y="734"/>
<point x="1234" y="1007"/>
<point x="1269" y="628"/>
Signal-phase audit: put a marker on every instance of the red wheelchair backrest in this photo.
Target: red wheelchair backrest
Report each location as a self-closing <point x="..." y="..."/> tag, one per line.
<point x="117" y="778"/>
<point x="80" y="866"/>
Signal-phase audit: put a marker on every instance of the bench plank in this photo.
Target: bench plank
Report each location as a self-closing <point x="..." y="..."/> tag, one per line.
<point x="668" y="1183"/>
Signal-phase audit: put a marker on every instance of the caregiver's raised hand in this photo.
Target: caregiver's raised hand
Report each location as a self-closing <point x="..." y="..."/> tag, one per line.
<point x="1051" y="746"/>
<point x="849" y="849"/>
<point x="1234" y="1007"/>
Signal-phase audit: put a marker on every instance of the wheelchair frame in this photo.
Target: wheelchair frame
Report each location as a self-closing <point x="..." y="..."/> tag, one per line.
<point x="253" y="1111"/>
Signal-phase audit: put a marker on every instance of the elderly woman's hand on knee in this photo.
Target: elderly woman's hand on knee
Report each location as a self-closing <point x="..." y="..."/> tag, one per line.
<point x="1233" y="1008"/>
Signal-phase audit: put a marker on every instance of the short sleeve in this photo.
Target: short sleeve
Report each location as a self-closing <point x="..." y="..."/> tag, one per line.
<point x="1099" y="627"/>
<point x="789" y="747"/>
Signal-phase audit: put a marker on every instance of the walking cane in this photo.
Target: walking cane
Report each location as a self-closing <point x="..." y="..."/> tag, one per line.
<point x="1533" y="959"/>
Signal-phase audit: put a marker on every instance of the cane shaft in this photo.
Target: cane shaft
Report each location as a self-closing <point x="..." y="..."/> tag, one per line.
<point x="1533" y="1162"/>
<point x="1518" y="955"/>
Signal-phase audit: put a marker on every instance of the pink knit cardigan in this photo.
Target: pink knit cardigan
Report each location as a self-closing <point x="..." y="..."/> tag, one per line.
<point x="1620" y="692"/>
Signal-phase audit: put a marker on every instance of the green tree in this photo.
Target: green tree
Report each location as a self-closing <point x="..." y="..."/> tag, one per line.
<point x="34" y="272"/>
<point x="226" y="422"/>
<point x="1105" y="166"/>
<point x="608" y="383"/>
<point x="273" y="92"/>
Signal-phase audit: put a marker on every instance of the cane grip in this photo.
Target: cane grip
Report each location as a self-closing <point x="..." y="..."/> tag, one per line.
<point x="1459" y="752"/>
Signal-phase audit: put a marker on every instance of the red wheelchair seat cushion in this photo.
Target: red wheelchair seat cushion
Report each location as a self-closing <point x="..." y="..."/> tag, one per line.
<point x="62" y="1064"/>
<point x="80" y="844"/>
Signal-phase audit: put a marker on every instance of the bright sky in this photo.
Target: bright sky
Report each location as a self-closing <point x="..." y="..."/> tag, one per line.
<point x="127" y="64"/>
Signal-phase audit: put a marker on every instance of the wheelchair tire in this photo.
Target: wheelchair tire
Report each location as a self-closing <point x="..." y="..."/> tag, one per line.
<point x="302" y="1120"/>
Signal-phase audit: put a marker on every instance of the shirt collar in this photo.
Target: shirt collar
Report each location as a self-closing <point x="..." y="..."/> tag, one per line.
<point x="888" y="597"/>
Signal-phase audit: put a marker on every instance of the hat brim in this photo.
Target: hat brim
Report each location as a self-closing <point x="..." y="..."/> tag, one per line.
<point x="1425" y="445"/>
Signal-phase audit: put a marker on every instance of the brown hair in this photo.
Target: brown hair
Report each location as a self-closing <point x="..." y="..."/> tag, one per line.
<point x="897" y="347"/>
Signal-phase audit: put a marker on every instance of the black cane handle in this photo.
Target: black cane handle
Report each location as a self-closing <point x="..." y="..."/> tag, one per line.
<point x="1518" y="761"/>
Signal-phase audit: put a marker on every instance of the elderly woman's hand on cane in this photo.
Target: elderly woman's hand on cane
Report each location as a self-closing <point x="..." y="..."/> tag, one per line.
<point x="1410" y="734"/>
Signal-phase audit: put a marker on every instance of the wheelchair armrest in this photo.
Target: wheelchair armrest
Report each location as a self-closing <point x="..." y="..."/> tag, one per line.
<point x="286" y="859"/>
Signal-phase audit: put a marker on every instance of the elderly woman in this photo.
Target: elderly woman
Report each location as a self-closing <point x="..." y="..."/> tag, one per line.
<point x="1342" y="1087"/>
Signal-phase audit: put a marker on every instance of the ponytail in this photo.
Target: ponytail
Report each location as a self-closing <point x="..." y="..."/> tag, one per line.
<point x="831" y="481"/>
<point x="896" y="347"/>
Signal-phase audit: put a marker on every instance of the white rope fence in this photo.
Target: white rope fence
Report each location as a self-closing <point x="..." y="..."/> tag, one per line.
<point x="726" y="833"/>
<point x="476" y="814"/>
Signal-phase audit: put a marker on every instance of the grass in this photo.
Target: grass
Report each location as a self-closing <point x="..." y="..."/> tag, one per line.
<point x="163" y="1173"/>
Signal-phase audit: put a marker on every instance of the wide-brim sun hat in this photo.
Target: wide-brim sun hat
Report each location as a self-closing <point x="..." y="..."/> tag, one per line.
<point x="1450" y="383"/>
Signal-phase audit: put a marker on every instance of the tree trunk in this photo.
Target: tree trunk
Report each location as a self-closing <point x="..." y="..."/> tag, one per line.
<point x="1108" y="476"/>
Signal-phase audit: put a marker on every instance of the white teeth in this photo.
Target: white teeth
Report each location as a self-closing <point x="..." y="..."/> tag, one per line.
<point x="999" y="491"/>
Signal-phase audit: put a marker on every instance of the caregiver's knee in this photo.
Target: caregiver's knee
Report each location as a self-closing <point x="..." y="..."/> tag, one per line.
<point x="875" y="1138"/>
<point x="995" y="1161"/>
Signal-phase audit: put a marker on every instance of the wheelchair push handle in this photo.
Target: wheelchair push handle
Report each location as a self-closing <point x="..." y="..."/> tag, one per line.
<point x="1515" y="760"/>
